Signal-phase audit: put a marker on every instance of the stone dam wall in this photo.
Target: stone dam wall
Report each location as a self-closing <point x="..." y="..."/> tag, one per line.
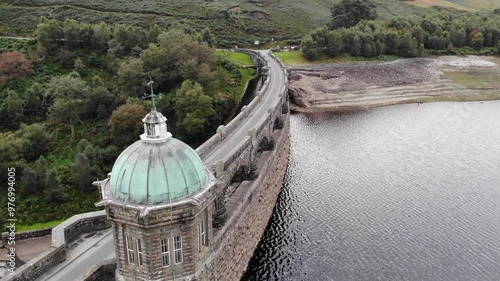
<point x="250" y="205"/>
<point x="250" y="208"/>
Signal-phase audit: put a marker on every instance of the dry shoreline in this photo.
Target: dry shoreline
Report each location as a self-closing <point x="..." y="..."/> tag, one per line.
<point x="359" y="86"/>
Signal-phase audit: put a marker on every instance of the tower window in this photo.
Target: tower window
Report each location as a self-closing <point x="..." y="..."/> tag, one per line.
<point x="178" y="249"/>
<point x="165" y="252"/>
<point x="139" y="251"/>
<point x="202" y="235"/>
<point x="134" y="250"/>
<point x="130" y="250"/>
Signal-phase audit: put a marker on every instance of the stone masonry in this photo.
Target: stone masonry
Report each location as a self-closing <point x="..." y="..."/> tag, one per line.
<point x="235" y="242"/>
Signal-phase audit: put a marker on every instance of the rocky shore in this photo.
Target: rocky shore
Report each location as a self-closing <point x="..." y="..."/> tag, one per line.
<point x="357" y="86"/>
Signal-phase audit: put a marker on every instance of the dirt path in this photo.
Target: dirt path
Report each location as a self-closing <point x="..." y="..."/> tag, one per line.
<point x="346" y="87"/>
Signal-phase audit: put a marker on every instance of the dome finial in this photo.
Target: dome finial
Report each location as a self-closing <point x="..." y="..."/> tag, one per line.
<point x="155" y="127"/>
<point x="152" y="95"/>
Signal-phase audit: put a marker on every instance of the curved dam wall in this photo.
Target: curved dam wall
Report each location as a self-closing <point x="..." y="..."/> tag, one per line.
<point x="251" y="204"/>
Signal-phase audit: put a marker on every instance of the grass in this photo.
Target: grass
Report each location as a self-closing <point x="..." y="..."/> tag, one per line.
<point x="37" y="226"/>
<point x="240" y="58"/>
<point x="468" y="5"/>
<point x="474" y="80"/>
<point x="441" y="3"/>
<point x="295" y="58"/>
<point x="247" y="74"/>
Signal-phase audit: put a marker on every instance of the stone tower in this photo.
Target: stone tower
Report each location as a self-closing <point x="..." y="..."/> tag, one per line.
<point x="159" y="199"/>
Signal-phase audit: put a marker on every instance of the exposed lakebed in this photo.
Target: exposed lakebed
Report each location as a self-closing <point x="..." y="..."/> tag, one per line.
<point x="355" y="86"/>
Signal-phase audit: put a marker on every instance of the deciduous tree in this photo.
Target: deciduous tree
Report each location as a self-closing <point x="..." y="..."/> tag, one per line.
<point x="477" y="41"/>
<point x="33" y="105"/>
<point x="207" y="36"/>
<point x="349" y="12"/>
<point x="193" y="108"/>
<point x="29" y="182"/>
<point x="36" y="140"/>
<point x="69" y="94"/>
<point x="41" y="171"/>
<point x="86" y="166"/>
<point x="71" y="29"/>
<point x="126" y="123"/>
<point x="100" y="37"/>
<point x="53" y="191"/>
<point x="13" y="109"/>
<point x="132" y="78"/>
<point x="11" y="153"/>
<point x="408" y="46"/>
<point x="310" y="48"/>
<point x="13" y="65"/>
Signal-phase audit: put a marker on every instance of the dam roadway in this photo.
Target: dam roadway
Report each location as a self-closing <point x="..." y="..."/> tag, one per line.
<point x="89" y="252"/>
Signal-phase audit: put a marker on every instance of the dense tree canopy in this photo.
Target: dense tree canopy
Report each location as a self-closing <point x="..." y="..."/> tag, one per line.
<point x="408" y="36"/>
<point x="87" y="80"/>
<point x="348" y="13"/>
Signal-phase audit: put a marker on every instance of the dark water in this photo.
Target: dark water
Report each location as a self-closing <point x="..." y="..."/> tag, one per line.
<point x="397" y="193"/>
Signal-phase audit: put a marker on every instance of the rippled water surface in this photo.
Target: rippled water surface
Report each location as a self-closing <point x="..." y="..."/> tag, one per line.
<point x="396" y="193"/>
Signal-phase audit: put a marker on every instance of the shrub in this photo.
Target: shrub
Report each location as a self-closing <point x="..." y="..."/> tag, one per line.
<point x="266" y="144"/>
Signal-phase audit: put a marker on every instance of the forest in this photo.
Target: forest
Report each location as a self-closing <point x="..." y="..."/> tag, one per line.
<point x="74" y="99"/>
<point x="355" y="29"/>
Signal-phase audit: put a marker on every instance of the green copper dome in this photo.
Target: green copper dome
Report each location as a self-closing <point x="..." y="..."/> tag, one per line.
<point x="158" y="168"/>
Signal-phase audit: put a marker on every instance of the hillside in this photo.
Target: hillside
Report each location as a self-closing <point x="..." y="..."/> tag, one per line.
<point x="233" y="21"/>
<point x="470" y="5"/>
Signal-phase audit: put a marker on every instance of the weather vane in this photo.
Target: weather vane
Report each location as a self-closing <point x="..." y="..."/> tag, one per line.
<point x="152" y="95"/>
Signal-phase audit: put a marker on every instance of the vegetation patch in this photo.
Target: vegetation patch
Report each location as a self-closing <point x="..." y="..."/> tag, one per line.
<point x="21" y="227"/>
<point x="72" y="100"/>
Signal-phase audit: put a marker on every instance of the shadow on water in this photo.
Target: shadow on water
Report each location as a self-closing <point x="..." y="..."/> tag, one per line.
<point x="280" y="234"/>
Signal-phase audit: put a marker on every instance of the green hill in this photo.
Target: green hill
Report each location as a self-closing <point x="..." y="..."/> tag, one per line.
<point x="233" y="21"/>
<point x="471" y="5"/>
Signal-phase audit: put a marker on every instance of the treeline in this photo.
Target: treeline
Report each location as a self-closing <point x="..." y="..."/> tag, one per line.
<point x="87" y="81"/>
<point x="449" y="32"/>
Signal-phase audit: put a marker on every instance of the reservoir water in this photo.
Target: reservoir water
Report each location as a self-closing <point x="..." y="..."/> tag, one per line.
<point x="408" y="192"/>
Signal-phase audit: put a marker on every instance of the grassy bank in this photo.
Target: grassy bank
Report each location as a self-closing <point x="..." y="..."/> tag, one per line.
<point x="247" y="74"/>
<point x="21" y="227"/>
<point x="295" y="58"/>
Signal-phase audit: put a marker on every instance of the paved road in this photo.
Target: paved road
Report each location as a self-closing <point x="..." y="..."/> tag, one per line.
<point x="80" y="259"/>
<point x="17" y="38"/>
<point x="275" y="87"/>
